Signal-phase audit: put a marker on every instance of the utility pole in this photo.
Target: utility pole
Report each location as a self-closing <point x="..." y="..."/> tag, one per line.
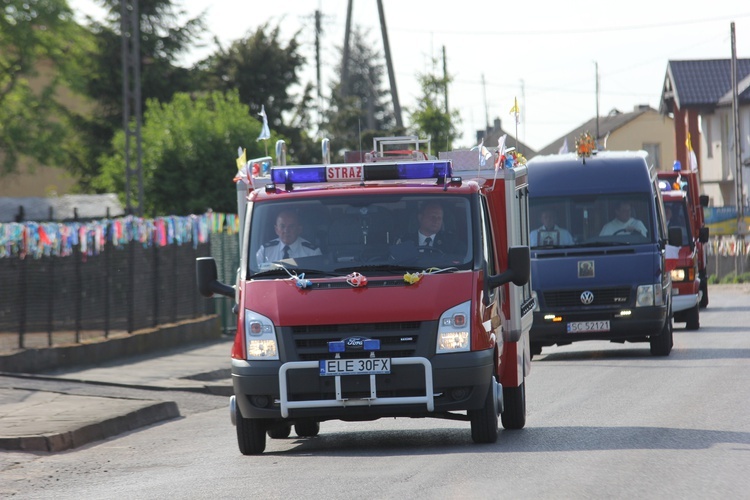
<point x="738" y="185"/>
<point x="131" y="98"/>
<point x="486" y="111"/>
<point x="525" y="111"/>
<point x="345" y="62"/>
<point x="596" y="66"/>
<point x="318" y="32"/>
<point x="445" y="91"/>
<point x="389" y="63"/>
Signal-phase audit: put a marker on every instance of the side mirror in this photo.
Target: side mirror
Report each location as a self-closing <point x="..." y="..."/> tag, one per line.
<point x="703" y="200"/>
<point x="519" y="268"/>
<point x="675" y="236"/>
<point x="703" y="234"/>
<point x="208" y="278"/>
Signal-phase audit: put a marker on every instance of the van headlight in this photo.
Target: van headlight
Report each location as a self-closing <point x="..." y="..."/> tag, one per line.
<point x="454" y="334"/>
<point x="649" y="295"/>
<point x="260" y="337"/>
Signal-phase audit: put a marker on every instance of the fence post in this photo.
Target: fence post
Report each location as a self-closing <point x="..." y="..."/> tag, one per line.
<point x="108" y="248"/>
<point x="155" y="281"/>
<point x="51" y="301"/>
<point x="22" y="303"/>
<point x="77" y="255"/>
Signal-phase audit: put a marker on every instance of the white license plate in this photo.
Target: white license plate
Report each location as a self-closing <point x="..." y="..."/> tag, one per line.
<point x="368" y="366"/>
<point x="588" y="326"/>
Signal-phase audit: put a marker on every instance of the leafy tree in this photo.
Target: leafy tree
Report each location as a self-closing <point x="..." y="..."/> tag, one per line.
<point x="263" y="69"/>
<point x="430" y="118"/>
<point x="39" y="43"/>
<point x="162" y="42"/>
<point x="189" y="153"/>
<point x="361" y="103"/>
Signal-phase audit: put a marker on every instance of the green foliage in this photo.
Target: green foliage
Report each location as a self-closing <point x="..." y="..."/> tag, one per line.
<point x="263" y="68"/>
<point x="189" y="152"/>
<point x="361" y="103"/>
<point x="162" y="41"/>
<point x="39" y="44"/>
<point x="430" y="118"/>
<point x="734" y="278"/>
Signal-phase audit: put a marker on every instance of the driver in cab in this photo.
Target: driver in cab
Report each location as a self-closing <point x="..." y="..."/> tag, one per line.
<point x="623" y="223"/>
<point x="289" y="243"/>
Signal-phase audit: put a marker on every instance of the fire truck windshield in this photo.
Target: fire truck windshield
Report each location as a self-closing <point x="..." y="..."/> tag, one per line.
<point x="377" y="233"/>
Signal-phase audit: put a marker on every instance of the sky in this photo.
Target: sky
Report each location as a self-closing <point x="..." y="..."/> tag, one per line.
<point x="545" y="54"/>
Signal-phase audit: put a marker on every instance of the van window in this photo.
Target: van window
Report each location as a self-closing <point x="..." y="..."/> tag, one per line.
<point x="366" y="233"/>
<point x="591" y="220"/>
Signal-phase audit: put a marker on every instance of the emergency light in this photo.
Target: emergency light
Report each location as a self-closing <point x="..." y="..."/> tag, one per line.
<point x="348" y="172"/>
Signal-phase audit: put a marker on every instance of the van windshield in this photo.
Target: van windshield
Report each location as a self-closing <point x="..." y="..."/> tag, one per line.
<point x="373" y="234"/>
<point x="591" y="220"/>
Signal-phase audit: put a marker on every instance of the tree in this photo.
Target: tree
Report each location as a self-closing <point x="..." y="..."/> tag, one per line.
<point x="39" y="43"/>
<point x="360" y="103"/>
<point x="189" y="153"/>
<point x="162" y="42"/>
<point x="263" y="69"/>
<point x="430" y="118"/>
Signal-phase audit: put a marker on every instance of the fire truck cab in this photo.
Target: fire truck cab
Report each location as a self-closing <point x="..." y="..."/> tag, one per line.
<point x="367" y="320"/>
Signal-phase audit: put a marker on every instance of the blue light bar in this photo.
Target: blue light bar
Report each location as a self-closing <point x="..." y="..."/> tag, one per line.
<point x="336" y="346"/>
<point x="372" y="344"/>
<point x="301" y="174"/>
<point x="348" y="172"/>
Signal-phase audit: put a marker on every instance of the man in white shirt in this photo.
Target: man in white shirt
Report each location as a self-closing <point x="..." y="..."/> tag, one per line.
<point x="623" y="223"/>
<point x="550" y="233"/>
<point x="289" y="244"/>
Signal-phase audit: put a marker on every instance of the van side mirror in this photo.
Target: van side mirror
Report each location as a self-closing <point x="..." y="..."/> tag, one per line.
<point x="703" y="234"/>
<point x="208" y="278"/>
<point x="519" y="268"/>
<point x="675" y="236"/>
<point x="703" y="200"/>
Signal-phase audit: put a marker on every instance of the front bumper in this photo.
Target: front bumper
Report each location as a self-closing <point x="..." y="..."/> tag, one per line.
<point x="458" y="381"/>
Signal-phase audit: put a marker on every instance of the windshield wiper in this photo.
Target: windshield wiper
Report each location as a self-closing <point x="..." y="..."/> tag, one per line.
<point x="284" y="271"/>
<point x="376" y="267"/>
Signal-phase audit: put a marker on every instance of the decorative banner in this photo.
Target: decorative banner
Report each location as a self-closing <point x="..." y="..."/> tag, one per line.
<point x="60" y="239"/>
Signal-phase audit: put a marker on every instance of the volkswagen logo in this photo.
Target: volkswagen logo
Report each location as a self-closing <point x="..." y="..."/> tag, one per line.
<point x="587" y="297"/>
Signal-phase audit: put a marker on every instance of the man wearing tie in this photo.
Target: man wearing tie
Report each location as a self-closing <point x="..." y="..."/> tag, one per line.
<point x="431" y="233"/>
<point x="289" y="244"/>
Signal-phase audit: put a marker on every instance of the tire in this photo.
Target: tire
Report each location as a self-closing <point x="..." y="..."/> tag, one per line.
<point x="704" y="289"/>
<point x="661" y="345"/>
<point x="514" y="411"/>
<point x="692" y="318"/>
<point x="307" y="428"/>
<point x="279" y="430"/>
<point x="251" y="434"/>
<point x="484" y="422"/>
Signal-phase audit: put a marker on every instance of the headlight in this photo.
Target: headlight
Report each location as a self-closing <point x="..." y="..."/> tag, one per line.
<point x="454" y="334"/>
<point x="260" y="337"/>
<point x="678" y="274"/>
<point x="645" y="296"/>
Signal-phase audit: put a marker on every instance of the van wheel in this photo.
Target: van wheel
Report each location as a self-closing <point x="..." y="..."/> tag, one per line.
<point x="692" y="318"/>
<point x="514" y="411"/>
<point x="536" y="349"/>
<point x="251" y="434"/>
<point x="484" y="422"/>
<point x="704" y="289"/>
<point x="279" y="431"/>
<point x="307" y="428"/>
<point x="661" y="345"/>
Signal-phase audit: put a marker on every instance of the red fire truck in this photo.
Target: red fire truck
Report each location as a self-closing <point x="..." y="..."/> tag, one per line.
<point x="689" y="182"/>
<point x="359" y="318"/>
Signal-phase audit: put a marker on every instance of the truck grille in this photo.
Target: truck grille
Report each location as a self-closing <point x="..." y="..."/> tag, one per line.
<point x="396" y="339"/>
<point x="602" y="297"/>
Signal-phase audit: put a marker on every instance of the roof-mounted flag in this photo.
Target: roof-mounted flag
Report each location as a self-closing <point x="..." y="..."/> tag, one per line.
<point x="265" y="133"/>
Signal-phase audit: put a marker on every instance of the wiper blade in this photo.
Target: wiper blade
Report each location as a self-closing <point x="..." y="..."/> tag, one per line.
<point x="289" y="271"/>
<point x="375" y="267"/>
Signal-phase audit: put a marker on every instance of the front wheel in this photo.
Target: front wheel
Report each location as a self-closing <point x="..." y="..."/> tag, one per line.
<point x="251" y="434"/>
<point x="692" y="318"/>
<point x="661" y="345"/>
<point x="704" y="290"/>
<point x="484" y="421"/>
<point x="514" y="411"/>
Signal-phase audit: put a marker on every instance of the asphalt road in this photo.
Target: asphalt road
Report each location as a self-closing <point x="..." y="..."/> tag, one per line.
<point x="604" y="421"/>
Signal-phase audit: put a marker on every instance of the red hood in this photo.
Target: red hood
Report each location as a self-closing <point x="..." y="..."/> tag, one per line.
<point x="286" y="304"/>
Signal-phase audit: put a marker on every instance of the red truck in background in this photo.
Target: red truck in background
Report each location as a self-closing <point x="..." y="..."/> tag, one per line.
<point x="368" y="320"/>
<point x="683" y="205"/>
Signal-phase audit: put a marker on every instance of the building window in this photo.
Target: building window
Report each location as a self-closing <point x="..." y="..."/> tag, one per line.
<point x="654" y="153"/>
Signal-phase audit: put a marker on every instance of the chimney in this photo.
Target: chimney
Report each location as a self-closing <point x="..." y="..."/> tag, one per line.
<point x="497" y="126"/>
<point x="480" y="136"/>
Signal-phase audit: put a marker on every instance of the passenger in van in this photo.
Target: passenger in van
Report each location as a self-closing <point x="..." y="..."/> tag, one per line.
<point x="549" y="233"/>
<point x="430" y="232"/>
<point x="623" y="222"/>
<point x="289" y="244"/>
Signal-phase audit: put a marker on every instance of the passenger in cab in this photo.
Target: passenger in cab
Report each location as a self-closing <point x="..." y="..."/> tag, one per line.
<point x="623" y="223"/>
<point x="549" y="233"/>
<point x="289" y="244"/>
<point x="430" y="232"/>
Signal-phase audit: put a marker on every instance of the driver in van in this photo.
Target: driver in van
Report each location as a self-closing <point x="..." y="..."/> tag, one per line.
<point x="623" y="222"/>
<point x="289" y="243"/>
